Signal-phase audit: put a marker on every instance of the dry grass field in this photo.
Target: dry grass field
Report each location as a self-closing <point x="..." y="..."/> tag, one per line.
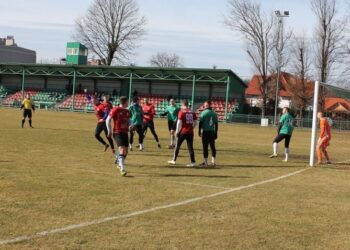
<point x="58" y="190"/>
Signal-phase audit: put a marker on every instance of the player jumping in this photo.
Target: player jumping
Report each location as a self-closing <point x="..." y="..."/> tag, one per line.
<point x="171" y="112"/>
<point x="324" y="139"/>
<point x="148" y="115"/>
<point x="285" y="130"/>
<point x="102" y="111"/>
<point x="136" y="122"/>
<point x="27" y="106"/>
<point x="184" y="131"/>
<point x="208" y="123"/>
<point x="120" y="115"/>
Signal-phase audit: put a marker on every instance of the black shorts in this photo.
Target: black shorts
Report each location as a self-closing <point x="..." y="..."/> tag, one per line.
<point x="101" y="126"/>
<point x="286" y="138"/>
<point x="148" y="124"/>
<point x="122" y="139"/>
<point x="27" y="113"/>
<point x="171" y="125"/>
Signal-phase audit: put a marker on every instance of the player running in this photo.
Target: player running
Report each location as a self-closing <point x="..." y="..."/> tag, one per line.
<point x="102" y="111"/>
<point x="324" y="139"/>
<point x="184" y="131"/>
<point x="285" y="130"/>
<point x="171" y="112"/>
<point x="136" y="122"/>
<point x="120" y="115"/>
<point x="208" y="123"/>
<point x="148" y="115"/>
<point x="27" y="106"/>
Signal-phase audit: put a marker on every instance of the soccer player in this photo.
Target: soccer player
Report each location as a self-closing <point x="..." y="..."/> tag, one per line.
<point x="172" y="112"/>
<point x="184" y="131"/>
<point x="208" y="123"/>
<point x="27" y="106"/>
<point x="102" y="111"/>
<point x="324" y="139"/>
<point x="136" y="122"/>
<point x="285" y="130"/>
<point x="121" y="116"/>
<point x="148" y="115"/>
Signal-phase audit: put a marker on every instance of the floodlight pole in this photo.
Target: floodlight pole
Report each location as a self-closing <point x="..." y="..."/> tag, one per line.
<point x="265" y="66"/>
<point x="73" y="92"/>
<point x="280" y="36"/>
<point x="130" y="87"/>
<point x="227" y="96"/>
<point x="23" y="81"/>
<point x="314" y="124"/>
<point x="193" y="89"/>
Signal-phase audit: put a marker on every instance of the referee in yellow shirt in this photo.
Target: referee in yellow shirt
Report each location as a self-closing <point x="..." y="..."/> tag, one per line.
<point x="28" y="106"/>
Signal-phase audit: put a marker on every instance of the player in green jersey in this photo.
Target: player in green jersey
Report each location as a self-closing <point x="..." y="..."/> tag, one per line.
<point x="136" y="122"/>
<point x="208" y="130"/>
<point x="171" y="112"/>
<point x="285" y="130"/>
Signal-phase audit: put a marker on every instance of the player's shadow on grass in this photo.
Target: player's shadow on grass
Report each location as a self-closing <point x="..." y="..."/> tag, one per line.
<point x="190" y="175"/>
<point x="152" y="155"/>
<point x="255" y="166"/>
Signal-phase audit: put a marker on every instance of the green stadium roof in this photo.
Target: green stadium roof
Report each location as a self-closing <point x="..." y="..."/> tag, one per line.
<point x="123" y="72"/>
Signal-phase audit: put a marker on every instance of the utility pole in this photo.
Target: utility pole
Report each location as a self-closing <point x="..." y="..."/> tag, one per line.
<point x="280" y="15"/>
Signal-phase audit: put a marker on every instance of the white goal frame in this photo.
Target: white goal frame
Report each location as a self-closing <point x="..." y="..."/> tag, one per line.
<point x="314" y="124"/>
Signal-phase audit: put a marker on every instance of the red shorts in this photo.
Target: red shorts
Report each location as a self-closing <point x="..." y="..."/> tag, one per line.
<point x="325" y="142"/>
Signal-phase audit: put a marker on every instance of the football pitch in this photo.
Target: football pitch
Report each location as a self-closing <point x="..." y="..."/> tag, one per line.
<point x="59" y="190"/>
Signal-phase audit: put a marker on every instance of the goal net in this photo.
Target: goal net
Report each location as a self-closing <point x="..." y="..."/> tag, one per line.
<point x="334" y="103"/>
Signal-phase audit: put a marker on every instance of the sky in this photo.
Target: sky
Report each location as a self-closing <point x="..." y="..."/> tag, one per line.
<point x="193" y="29"/>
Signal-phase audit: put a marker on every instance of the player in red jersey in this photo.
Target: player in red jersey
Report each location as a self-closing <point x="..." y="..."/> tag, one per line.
<point x="121" y="117"/>
<point x="148" y="115"/>
<point x="101" y="112"/>
<point x="186" y="122"/>
<point x="107" y="104"/>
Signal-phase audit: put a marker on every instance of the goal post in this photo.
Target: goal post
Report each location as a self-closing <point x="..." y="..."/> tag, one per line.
<point x="314" y="124"/>
<point x="336" y="107"/>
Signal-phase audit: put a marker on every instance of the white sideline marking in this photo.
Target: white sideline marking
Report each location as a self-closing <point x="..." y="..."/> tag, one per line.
<point x="195" y="184"/>
<point x="136" y="213"/>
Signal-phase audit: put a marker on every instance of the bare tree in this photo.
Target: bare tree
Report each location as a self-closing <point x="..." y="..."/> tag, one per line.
<point x="329" y="40"/>
<point x="300" y="86"/>
<point x="166" y="60"/>
<point x="246" y="17"/>
<point x="110" y="29"/>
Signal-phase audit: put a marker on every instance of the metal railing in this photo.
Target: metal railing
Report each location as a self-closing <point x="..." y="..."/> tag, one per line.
<point x="301" y="123"/>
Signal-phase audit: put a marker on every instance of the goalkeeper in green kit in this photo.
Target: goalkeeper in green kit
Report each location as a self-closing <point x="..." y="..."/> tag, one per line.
<point x="208" y="130"/>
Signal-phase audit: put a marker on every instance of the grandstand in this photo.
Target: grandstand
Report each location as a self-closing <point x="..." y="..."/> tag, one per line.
<point x="41" y="99"/>
<point x="3" y="92"/>
<point x="14" y="100"/>
<point x="62" y="86"/>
